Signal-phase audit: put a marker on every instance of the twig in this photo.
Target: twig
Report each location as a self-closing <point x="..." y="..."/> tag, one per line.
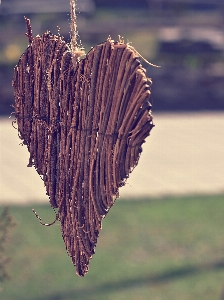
<point x="57" y="218"/>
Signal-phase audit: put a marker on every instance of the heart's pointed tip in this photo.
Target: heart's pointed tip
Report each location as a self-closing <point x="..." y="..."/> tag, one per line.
<point x="80" y="274"/>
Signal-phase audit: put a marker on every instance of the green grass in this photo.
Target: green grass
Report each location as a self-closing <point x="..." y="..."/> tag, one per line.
<point x="170" y="248"/>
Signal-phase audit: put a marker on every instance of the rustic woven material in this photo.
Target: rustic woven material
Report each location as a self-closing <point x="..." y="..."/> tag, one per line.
<point x="83" y="123"/>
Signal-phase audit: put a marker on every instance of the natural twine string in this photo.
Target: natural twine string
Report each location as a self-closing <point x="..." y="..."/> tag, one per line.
<point x="73" y="26"/>
<point x="75" y="49"/>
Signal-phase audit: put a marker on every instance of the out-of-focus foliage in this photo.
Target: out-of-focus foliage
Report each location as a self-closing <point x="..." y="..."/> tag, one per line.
<point x="6" y="224"/>
<point x="184" y="38"/>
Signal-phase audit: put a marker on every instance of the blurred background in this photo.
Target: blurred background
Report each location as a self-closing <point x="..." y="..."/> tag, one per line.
<point x="163" y="239"/>
<point x="184" y="37"/>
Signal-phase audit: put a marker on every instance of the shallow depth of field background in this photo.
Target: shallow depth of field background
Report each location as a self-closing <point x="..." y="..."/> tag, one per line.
<point x="164" y="247"/>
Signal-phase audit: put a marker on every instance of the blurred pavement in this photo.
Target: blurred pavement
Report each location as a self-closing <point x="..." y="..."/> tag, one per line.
<point x="183" y="155"/>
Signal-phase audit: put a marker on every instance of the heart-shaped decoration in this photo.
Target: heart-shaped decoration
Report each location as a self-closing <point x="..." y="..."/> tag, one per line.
<point x="83" y="122"/>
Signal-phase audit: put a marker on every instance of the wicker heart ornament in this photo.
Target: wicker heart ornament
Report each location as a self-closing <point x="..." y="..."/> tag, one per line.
<point x="83" y="122"/>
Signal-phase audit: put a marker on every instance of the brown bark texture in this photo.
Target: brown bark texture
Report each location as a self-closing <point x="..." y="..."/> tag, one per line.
<point x="83" y="122"/>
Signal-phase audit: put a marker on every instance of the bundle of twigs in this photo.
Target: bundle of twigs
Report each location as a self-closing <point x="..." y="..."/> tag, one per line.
<point x="84" y="122"/>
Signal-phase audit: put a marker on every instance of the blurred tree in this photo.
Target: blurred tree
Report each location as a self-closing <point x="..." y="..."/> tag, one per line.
<point x="6" y="223"/>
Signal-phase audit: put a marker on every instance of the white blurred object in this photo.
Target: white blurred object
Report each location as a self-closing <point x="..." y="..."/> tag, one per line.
<point x="183" y="155"/>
